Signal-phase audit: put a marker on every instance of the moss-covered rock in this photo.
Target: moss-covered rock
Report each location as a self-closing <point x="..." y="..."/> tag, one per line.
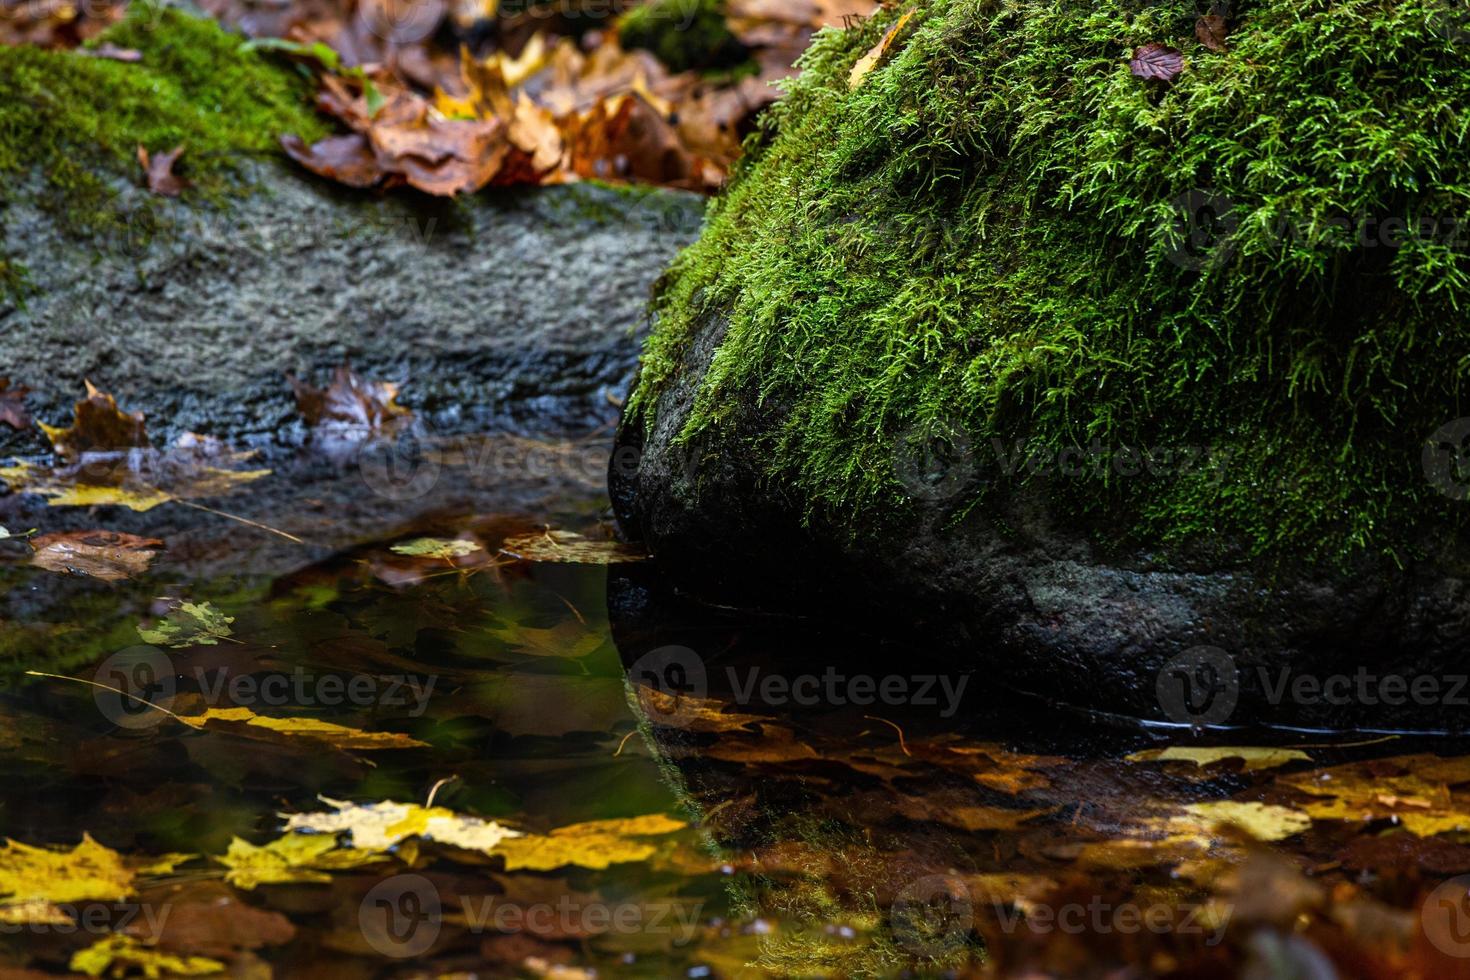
<point x="78" y="120"/>
<point x="686" y="35"/>
<point x="1003" y="291"/>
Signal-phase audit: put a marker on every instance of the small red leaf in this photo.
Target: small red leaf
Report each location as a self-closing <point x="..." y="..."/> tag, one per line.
<point x="160" y="170"/>
<point x="1157" y="60"/>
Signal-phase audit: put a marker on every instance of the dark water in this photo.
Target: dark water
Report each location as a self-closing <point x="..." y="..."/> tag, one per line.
<point x="833" y="803"/>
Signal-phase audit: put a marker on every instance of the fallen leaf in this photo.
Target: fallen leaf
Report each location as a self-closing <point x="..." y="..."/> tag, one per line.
<point x="379" y="826"/>
<point x="347" y="159"/>
<point x="107" y="555"/>
<point x="337" y="736"/>
<point x="870" y="60"/>
<point x="97" y="425"/>
<point x="288" y="859"/>
<point x="189" y="624"/>
<point x="567" y="546"/>
<point x="159" y="168"/>
<point x="597" y="844"/>
<point x="691" y="713"/>
<point x="209" y="920"/>
<point x="436" y="548"/>
<point x="1254" y="758"/>
<point x="568" y="639"/>
<point x="350" y="407"/>
<point x="118" y="955"/>
<point x="1211" y="31"/>
<point x="1155" y="60"/>
<point x="12" y="405"/>
<point x="33" y="876"/>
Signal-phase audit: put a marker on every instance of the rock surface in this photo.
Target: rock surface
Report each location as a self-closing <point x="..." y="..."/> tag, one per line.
<point x="1035" y="605"/>
<point x="517" y="307"/>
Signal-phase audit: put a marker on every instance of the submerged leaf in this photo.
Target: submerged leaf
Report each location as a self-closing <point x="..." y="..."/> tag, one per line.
<point x="338" y="736"/>
<point x="119" y="955"/>
<point x="567" y="546"/>
<point x="436" y="548"/>
<point x="1254" y="758"/>
<point x="292" y="858"/>
<point x="190" y="624"/>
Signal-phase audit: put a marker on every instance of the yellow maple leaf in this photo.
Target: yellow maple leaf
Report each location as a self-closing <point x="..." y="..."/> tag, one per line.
<point x="292" y="858"/>
<point x="1254" y="758"/>
<point x="32" y="876"/>
<point x="596" y="844"/>
<point x="119" y="955"/>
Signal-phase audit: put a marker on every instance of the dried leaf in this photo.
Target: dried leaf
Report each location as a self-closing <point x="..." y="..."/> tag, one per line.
<point x="350" y="407"/>
<point x="870" y="60"/>
<point x="567" y="546"/>
<point x="98" y="425"/>
<point x="1211" y="30"/>
<point x="159" y="168"/>
<point x="346" y="159"/>
<point x="107" y="555"/>
<point x="209" y="920"/>
<point x="379" y="826"/>
<point x="1155" y="60"/>
<point x="12" y="405"/>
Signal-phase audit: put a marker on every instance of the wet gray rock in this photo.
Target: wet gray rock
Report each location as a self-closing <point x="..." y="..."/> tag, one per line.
<point x="518" y="308"/>
<point x="1037" y="605"/>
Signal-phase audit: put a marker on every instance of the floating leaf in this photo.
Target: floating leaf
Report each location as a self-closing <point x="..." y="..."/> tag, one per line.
<point x="34" y="880"/>
<point x="337" y="736"/>
<point x="292" y="858"/>
<point x="189" y="624"/>
<point x="1158" y="61"/>
<point x="569" y="547"/>
<point x="436" y="548"/>
<point x="596" y="844"/>
<point x="119" y="955"/>
<point x="107" y="555"/>
<point x="379" y="826"/>
<point x="870" y="60"/>
<point x="351" y="407"/>
<point x="1254" y="758"/>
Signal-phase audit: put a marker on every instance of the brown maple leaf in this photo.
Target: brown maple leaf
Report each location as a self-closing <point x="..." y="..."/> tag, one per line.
<point x="98" y="425"/>
<point x="12" y="405"/>
<point x="346" y="159"/>
<point x="1155" y="60"/>
<point x="160" y="170"/>
<point x="350" y="405"/>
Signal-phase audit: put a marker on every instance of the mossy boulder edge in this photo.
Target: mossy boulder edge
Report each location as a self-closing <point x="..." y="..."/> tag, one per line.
<point x="925" y="297"/>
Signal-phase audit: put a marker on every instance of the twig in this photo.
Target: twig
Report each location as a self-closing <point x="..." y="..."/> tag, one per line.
<point x="242" y="520"/>
<point x="624" y="742"/>
<point x="83" y="680"/>
<point x="901" y="743"/>
<point x="434" y="790"/>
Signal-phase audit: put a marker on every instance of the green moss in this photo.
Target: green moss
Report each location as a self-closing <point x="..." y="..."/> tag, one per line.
<point x="985" y="236"/>
<point x="78" y="121"/>
<point x="684" y="34"/>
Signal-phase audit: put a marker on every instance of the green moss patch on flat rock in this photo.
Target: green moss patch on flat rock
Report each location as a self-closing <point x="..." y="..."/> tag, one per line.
<point x="78" y="120"/>
<point x="1003" y="233"/>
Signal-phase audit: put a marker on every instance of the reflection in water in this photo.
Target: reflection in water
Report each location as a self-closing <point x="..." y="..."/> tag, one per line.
<point x="697" y="792"/>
